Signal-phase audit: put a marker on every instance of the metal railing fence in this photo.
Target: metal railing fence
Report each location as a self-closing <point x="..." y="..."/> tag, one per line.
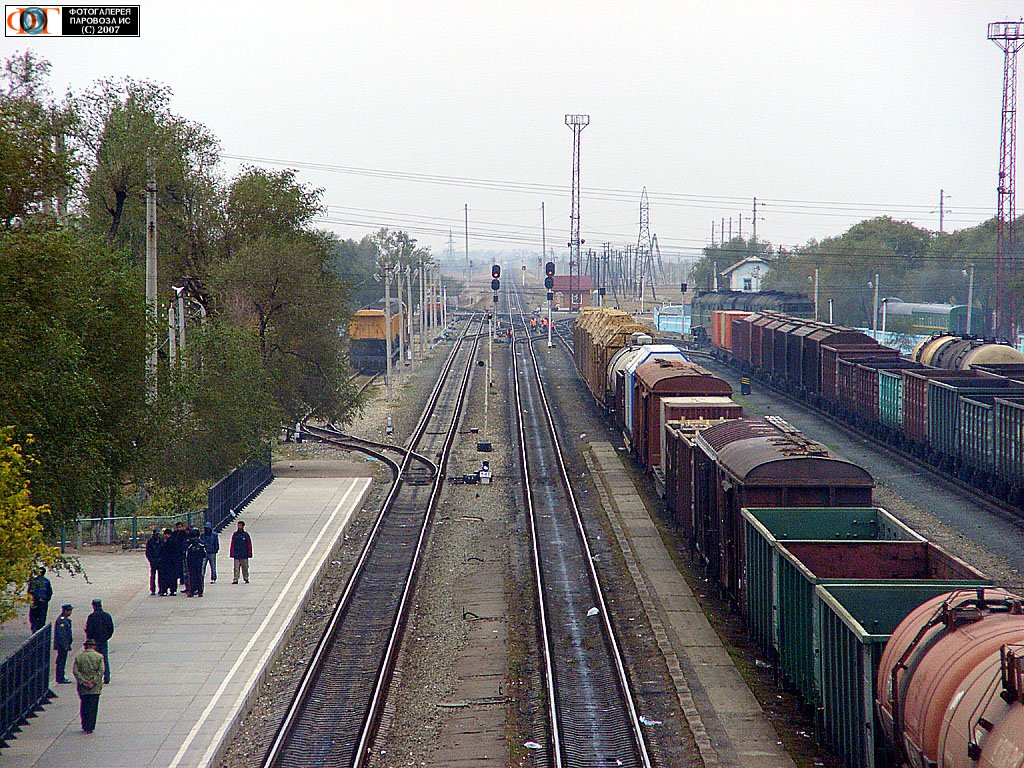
<point x="224" y="499"/>
<point x="25" y="683"/>
<point x="236" y="490"/>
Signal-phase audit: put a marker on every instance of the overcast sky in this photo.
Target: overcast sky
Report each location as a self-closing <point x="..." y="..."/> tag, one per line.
<point x="828" y="112"/>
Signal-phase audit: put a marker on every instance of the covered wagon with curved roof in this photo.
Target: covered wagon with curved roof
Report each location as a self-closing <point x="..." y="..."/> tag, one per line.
<point x="763" y="462"/>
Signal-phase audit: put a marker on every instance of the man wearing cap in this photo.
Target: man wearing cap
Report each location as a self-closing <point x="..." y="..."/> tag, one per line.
<point x="62" y="641"/>
<point x="88" y="671"/>
<point x="99" y="627"/>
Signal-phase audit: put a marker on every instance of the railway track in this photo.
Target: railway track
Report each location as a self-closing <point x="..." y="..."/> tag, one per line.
<point x="591" y="714"/>
<point x="332" y="718"/>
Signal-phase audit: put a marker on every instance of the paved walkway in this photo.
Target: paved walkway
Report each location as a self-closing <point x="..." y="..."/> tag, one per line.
<point x="727" y="722"/>
<point x="183" y="668"/>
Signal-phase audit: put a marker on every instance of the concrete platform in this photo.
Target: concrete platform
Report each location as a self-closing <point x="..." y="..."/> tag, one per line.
<point x="182" y="669"/>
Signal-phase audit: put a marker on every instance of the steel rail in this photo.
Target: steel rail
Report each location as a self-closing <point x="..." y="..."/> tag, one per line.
<point x="621" y="675"/>
<point x="377" y="703"/>
<point x="312" y="672"/>
<point x="542" y="609"/>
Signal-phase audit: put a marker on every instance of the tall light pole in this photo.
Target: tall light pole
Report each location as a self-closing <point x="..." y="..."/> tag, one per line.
<point x="423" y="306"/>
<point x="151" y="266"/>
<point x="874" y="321"/>
<point x="970" y="294"/>
<point x="386" y="270"/>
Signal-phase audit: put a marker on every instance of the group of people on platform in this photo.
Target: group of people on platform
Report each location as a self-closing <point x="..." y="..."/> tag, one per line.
<point x="180" y="556"/>
<point x="91" y="668"/>
<point x="175" y="557"/>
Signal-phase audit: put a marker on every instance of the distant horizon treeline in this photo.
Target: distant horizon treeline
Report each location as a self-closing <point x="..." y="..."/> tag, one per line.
<point x="912" y="264"/>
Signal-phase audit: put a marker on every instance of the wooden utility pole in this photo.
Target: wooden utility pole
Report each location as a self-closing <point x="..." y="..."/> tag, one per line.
<point x="151" y="265"/>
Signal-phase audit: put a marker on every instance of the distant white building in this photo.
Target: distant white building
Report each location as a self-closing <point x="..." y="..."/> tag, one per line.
<point x="747" y="275"/>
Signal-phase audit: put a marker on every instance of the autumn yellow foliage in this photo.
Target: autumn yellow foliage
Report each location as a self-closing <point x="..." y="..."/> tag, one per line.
<point x="21" y="533"/>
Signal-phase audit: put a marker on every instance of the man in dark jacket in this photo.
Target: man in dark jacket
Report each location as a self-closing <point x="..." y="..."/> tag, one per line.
<point x="41" y="591"/>
<point x="180" y="539"/>
<point x="62" y="641"/>
<point x="211" y="543"/>
<point x="241" y="551"/>
<point x="153" y="556"/>
<point x="195" y="564"/>
<point x="167" y="564"/>
<point x="100" y="627"/>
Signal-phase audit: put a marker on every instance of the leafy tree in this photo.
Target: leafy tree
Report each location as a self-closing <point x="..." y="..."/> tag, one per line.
<point x="215" y="411"/>
<point x="35" y="166"/>
<point x="262" y="203"/>
<point x="277" y="279"/>
<point x="355" y="262"/>
<point x="73" y="348"/>
<point x="122" y="123"/>
<point x="21" y="546"/>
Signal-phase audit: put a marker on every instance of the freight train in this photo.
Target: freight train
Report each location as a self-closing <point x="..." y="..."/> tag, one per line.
<point x="880" y="632"/>
<point x="956" y="402"/>
<point x="368" y="340"/>
<point x="706" y="302"/>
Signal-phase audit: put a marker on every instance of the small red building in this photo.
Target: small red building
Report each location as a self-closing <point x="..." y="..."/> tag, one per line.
<point x="573" y="291"/>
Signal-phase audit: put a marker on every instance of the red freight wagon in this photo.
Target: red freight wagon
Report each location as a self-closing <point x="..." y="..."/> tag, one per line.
<point x="655" y="380"/>
<point x="679" y="454"/>
<point x="702" y="408"/>
<point x="763" y="462"/>
<point x="794" y="350"/>
<point x="858" y="383"/>
<point x="768" y="343"/>
<point x="915" y="399"/>
<point x="811" y="351"/>
<point x="790" y="370"/>
<point x="721" y="326"/>
<point x="741" y="328"/>
<point x="757" y="335"/>
<point x="781" y="332"/>
<point x="830" y="355"/>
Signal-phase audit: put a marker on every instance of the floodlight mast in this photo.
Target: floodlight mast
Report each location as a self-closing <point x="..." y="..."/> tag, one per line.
<point x="577" y="123"/>
<point x="1009" y="36"/>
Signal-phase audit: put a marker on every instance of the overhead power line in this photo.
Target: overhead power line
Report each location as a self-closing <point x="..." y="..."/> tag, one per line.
<point x="679" y="199"/>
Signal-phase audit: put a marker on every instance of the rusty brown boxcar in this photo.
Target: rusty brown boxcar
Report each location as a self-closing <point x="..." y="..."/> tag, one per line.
<point x="915" y="400"/>
<point x="657" y="379"/>
<point x="832" y="353"/>
<point x="762" y="463"/>
<point x="679" y="437"/>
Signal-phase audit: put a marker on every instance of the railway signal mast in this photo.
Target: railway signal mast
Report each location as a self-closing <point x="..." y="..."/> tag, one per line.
<point x="549" y="283"/>
<point x="1009" y="36"/>
<point x="577" y="123"/>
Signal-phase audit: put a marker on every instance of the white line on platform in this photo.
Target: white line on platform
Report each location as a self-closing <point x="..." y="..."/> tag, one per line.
<point x="215" y="744"/>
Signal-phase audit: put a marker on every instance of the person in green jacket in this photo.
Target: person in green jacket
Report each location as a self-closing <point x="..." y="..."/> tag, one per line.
<point x="88" y="670"/>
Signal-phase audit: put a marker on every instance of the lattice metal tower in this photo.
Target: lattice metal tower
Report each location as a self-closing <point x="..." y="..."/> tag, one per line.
<point x="577" y="123"/>
<point x="644" y="249"/>
<point x="1009" y="36"/>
